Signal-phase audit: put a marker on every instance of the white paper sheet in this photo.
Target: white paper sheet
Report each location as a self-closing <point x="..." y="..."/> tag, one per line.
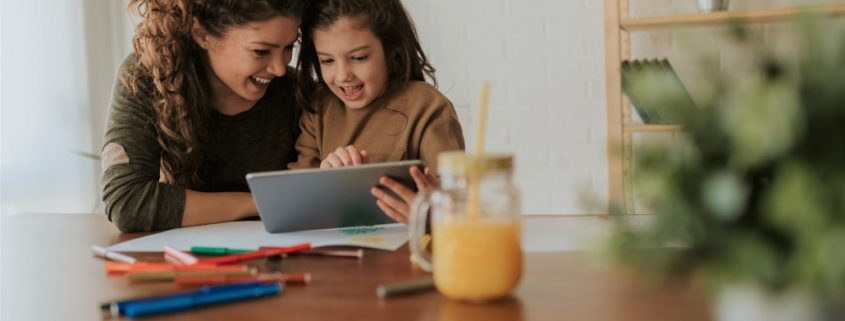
<point x="251" y="235"/>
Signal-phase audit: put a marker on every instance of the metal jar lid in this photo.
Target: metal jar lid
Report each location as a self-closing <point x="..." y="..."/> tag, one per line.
<point x="461" y="163"/>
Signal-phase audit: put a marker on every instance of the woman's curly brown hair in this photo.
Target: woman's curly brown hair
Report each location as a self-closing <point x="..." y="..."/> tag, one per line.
<point x="170" y="60"/>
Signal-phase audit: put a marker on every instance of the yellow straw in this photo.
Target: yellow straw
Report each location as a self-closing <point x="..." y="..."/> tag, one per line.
<point x="473" y="209"/>
<point x="481" y="124"/>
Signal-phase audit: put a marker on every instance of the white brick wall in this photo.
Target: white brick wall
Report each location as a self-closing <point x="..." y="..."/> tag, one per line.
<point x="545" y="62"/>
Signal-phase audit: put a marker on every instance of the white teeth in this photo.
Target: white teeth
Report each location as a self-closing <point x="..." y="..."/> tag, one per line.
<point x="351" y="89"/>
<point x="262" y="81"/>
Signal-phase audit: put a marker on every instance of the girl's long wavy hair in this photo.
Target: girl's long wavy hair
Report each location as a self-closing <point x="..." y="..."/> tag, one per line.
<point x="390" y="23"/>
<point x="171" y="62"/>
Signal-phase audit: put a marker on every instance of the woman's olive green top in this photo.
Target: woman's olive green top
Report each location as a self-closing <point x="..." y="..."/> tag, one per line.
<point x="136" y="198"/>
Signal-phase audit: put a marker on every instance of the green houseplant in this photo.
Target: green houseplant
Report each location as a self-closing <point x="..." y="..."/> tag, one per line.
<point x="753" y="197"/>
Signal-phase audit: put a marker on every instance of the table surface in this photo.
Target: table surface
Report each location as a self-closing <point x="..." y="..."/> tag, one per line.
<point x="48" y="273"/>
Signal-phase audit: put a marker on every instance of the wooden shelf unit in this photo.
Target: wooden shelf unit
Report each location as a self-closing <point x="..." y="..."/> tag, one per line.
<point x="618" y="24"/>
<point x="652" y="128"/>
<point x="717" y="18"/>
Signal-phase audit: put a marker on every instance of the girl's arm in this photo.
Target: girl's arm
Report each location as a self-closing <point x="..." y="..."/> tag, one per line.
<point x="442" y="133"/>
<point x="307" y="145"/>
<point x="400" y="208"/>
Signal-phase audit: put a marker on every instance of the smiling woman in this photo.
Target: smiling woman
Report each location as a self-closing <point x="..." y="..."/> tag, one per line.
<point x="205" y="98"/>
<point x="245" y="60"/>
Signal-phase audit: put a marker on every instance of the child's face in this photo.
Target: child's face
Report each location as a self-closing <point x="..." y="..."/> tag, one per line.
<point x="246" y="58"/>
<point x="352" y="62"/>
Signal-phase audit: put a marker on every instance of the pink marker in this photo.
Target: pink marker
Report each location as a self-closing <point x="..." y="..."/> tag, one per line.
<point x="179" y="256"/>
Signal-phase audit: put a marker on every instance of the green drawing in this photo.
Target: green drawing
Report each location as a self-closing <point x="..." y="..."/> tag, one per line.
<point x="359" y="230"/>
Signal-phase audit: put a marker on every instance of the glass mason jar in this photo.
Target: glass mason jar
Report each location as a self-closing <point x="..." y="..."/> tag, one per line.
<point x="476" y="228"/>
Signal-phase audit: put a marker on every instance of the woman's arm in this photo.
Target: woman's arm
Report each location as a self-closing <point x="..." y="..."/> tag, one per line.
<point x="135" y="198"/>
<point x="206" y="208"/>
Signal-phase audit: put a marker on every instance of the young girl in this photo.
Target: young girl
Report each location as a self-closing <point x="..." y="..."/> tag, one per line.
<point x="369" y="101"/>
<point x="204" y="99"/>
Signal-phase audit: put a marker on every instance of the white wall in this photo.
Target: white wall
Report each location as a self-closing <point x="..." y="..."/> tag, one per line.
<point x="46" y="113"/>
<point x="57" y="72"/>
<point x="545" y="62"/>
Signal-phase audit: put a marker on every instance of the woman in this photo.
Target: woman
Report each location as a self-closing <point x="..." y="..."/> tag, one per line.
<point x="205" y="98"/>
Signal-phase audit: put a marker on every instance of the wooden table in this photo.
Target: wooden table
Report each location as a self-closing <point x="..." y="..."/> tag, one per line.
<point x="48" y="273"/>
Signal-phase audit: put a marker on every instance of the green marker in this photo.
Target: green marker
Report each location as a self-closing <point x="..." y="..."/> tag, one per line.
<point x="207" y="250"/>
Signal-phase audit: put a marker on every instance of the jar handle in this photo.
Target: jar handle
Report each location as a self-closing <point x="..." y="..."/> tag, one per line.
<point x="419" y="211"/>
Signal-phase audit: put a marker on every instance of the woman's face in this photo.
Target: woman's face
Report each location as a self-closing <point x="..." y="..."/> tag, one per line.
<point x="352" y="62"/>
<point x="246" y="58"/>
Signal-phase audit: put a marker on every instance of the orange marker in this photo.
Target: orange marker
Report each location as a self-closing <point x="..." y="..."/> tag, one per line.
<point x="356" y="254"/>
<point x="118" y="268"/>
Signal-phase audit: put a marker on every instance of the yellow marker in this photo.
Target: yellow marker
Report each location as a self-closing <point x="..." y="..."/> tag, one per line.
<point x="368" y="239"/>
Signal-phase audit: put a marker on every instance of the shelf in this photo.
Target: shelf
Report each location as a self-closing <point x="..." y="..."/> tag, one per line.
<point x="621" y="132"/>
<point x="715" y="18"/>
<point x="649" y="128"/>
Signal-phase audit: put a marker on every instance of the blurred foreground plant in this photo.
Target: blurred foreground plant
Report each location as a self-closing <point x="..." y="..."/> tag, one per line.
<point x="755" y="192"/>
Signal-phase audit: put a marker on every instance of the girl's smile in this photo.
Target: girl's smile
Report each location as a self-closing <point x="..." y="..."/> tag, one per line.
<point x="353" y="92"/>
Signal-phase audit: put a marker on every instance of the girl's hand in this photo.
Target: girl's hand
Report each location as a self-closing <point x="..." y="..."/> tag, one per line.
<point x="399" y="209"/>
<point x="345" y="156"/>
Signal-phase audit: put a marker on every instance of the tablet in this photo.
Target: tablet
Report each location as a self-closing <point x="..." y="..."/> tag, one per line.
<point x="307" y="199"/>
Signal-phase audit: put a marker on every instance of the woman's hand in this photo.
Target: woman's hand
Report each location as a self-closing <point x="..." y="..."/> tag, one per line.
<point x="400" y="208"/>
<point x="345" y="156"/>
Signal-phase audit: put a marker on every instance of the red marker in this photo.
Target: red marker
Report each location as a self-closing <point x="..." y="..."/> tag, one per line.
<point x="257" y="254"/>
<point x="203" y="280"/>
<point x="166" y="274"/>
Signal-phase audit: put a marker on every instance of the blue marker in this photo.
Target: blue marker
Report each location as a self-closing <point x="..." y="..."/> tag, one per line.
<point x="206" y="296"/>
<point x="202" y="298"/>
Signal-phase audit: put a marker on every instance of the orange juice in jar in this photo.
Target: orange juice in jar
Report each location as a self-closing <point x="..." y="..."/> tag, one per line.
<point x="477" y="260"/>
<point x="476" y="228"/>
